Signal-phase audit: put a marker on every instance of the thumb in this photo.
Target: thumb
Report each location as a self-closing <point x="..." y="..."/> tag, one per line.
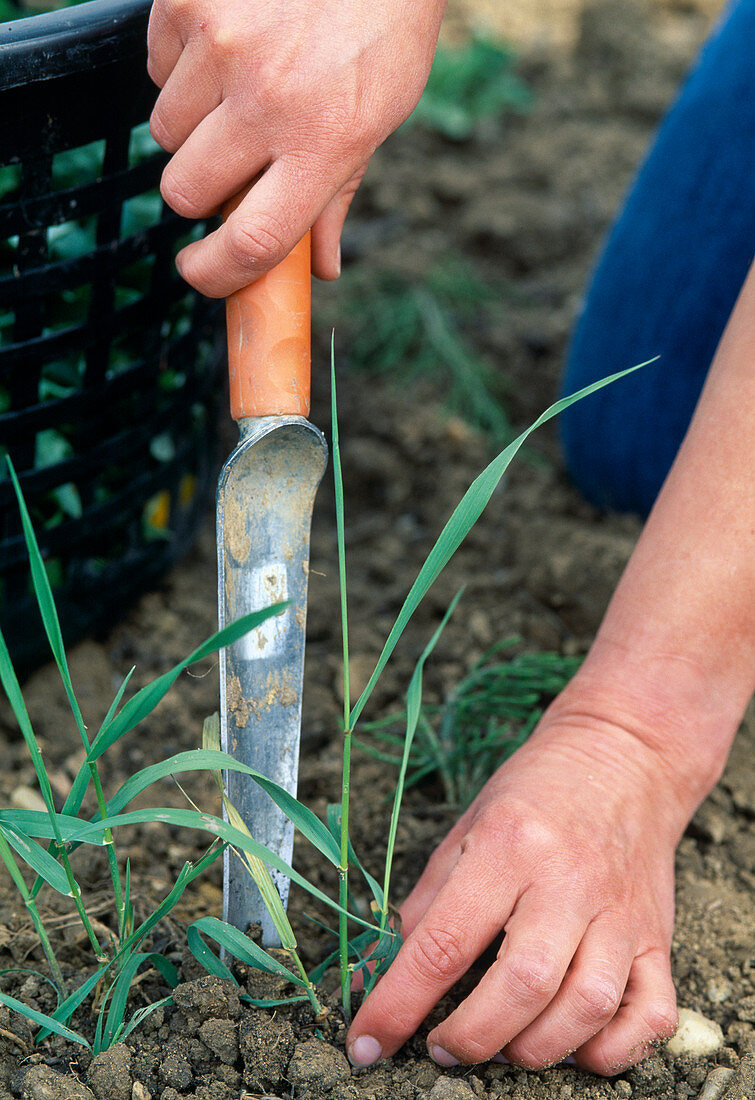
<point x="326" y="232"/>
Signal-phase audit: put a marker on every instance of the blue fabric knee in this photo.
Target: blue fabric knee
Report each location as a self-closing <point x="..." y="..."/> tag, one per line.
<point x="668" y="279"/>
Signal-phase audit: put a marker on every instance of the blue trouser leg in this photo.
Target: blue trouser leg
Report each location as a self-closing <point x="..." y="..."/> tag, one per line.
<point x="668" y="278"/>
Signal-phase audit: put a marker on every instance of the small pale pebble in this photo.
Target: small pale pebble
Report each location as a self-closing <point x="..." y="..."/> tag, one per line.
<point x="696" y="1035"/>
<point x="623" y="1089"/>
<point x="715" y="1083"/>
<point x="140" y="1091"/>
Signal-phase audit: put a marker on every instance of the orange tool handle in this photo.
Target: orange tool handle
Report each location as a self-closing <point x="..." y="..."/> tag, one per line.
<point x="269" y="339"/>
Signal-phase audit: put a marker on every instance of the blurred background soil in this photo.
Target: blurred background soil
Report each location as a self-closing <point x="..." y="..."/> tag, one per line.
<point x="522" y="203"/>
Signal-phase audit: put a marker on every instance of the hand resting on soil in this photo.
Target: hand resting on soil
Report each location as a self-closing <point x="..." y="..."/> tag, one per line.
<point x="569" y="847"/>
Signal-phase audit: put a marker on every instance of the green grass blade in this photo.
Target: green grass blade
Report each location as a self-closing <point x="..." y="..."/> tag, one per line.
<point x="237" y="945"/>
<point x="46" y="603"/>
<point x="121" y="988"/>
<point x="128" y="909"/>
<point x="97" y="1041"/>
<point x="208" y="823"/>
<point x="144" y="702"/>
<point x="15" y="698"/>
<point x="118" y="696"/>
<point x="116" y="998"/>
<point x="464" y="517"/>
<point x="43" y="1020"/>
<point x="340" y="533"/>
<point x="264" y="882"/>
<point x="140" y="1016"/>
<point x="37" y="823"/>
<point x="186" y="876"/>
<point x="384" y="952"/>
<point x="413" y="707"/>
<point x="39" y="859"/>
<point x="307" y="822"/>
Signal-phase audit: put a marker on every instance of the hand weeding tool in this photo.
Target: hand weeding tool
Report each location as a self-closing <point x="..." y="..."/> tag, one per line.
<point x="264" y="509"/>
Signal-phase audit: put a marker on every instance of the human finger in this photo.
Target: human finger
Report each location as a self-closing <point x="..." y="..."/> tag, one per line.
<point x="454" y="931"/>
<point x="527" y="975"/>
<point x="165" y="43"/>
<point x="587" y="1000"/>
<point x="437" y="870"/>
<point x="646" y="1016"/>
<point x="260" y="232"/>
<point x="327" y="230"/>
<point x="190" y="93"/>
<point x="214" y="163"/>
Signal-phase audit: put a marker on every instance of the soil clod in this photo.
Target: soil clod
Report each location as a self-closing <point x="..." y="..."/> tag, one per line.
<point x="450" y="1088"/>
<point x="266" y="1046"/>
<point x="318" y="1067"/>
<point x="41" y="1082"/>
<point x="109" y="1074"/>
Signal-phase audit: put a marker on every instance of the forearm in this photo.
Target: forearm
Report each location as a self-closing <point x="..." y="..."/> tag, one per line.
<point x="677" y="645"/>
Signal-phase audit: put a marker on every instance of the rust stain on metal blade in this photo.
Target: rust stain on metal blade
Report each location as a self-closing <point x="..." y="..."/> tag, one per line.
<point x="264" y="509"/>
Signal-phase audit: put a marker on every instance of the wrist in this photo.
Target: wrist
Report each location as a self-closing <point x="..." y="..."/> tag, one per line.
<point x="661" y="710"/>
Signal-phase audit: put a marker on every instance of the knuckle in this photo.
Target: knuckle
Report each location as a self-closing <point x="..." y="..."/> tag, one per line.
<point x="161" y="131"/>
<point x="439" y="953"/>
<point x="220" y="40"/>
<point x="596" y="998"/>
<point x="514" y="828"/>
<point x="179" y="197"/>
<point x="257" y="244"/>
<point x="534" y="973"/>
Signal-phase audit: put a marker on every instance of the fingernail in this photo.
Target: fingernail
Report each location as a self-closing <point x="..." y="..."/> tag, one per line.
<point x="441" y="1056"/>
<point x="338" y="260"/>
<point x="364" y="1051"/>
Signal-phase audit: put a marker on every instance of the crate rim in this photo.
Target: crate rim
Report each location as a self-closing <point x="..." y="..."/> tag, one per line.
<point x="50" y="44"/>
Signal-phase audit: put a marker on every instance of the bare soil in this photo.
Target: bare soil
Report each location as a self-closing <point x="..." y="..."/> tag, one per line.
<point x="526" y="202"/>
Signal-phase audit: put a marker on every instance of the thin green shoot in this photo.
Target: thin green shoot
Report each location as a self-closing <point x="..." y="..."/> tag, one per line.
<point x="343" y="870"/>
<point x="413" y="706"/>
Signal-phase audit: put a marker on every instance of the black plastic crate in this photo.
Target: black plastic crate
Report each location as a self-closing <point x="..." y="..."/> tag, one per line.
<point x="111" y="368"/>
